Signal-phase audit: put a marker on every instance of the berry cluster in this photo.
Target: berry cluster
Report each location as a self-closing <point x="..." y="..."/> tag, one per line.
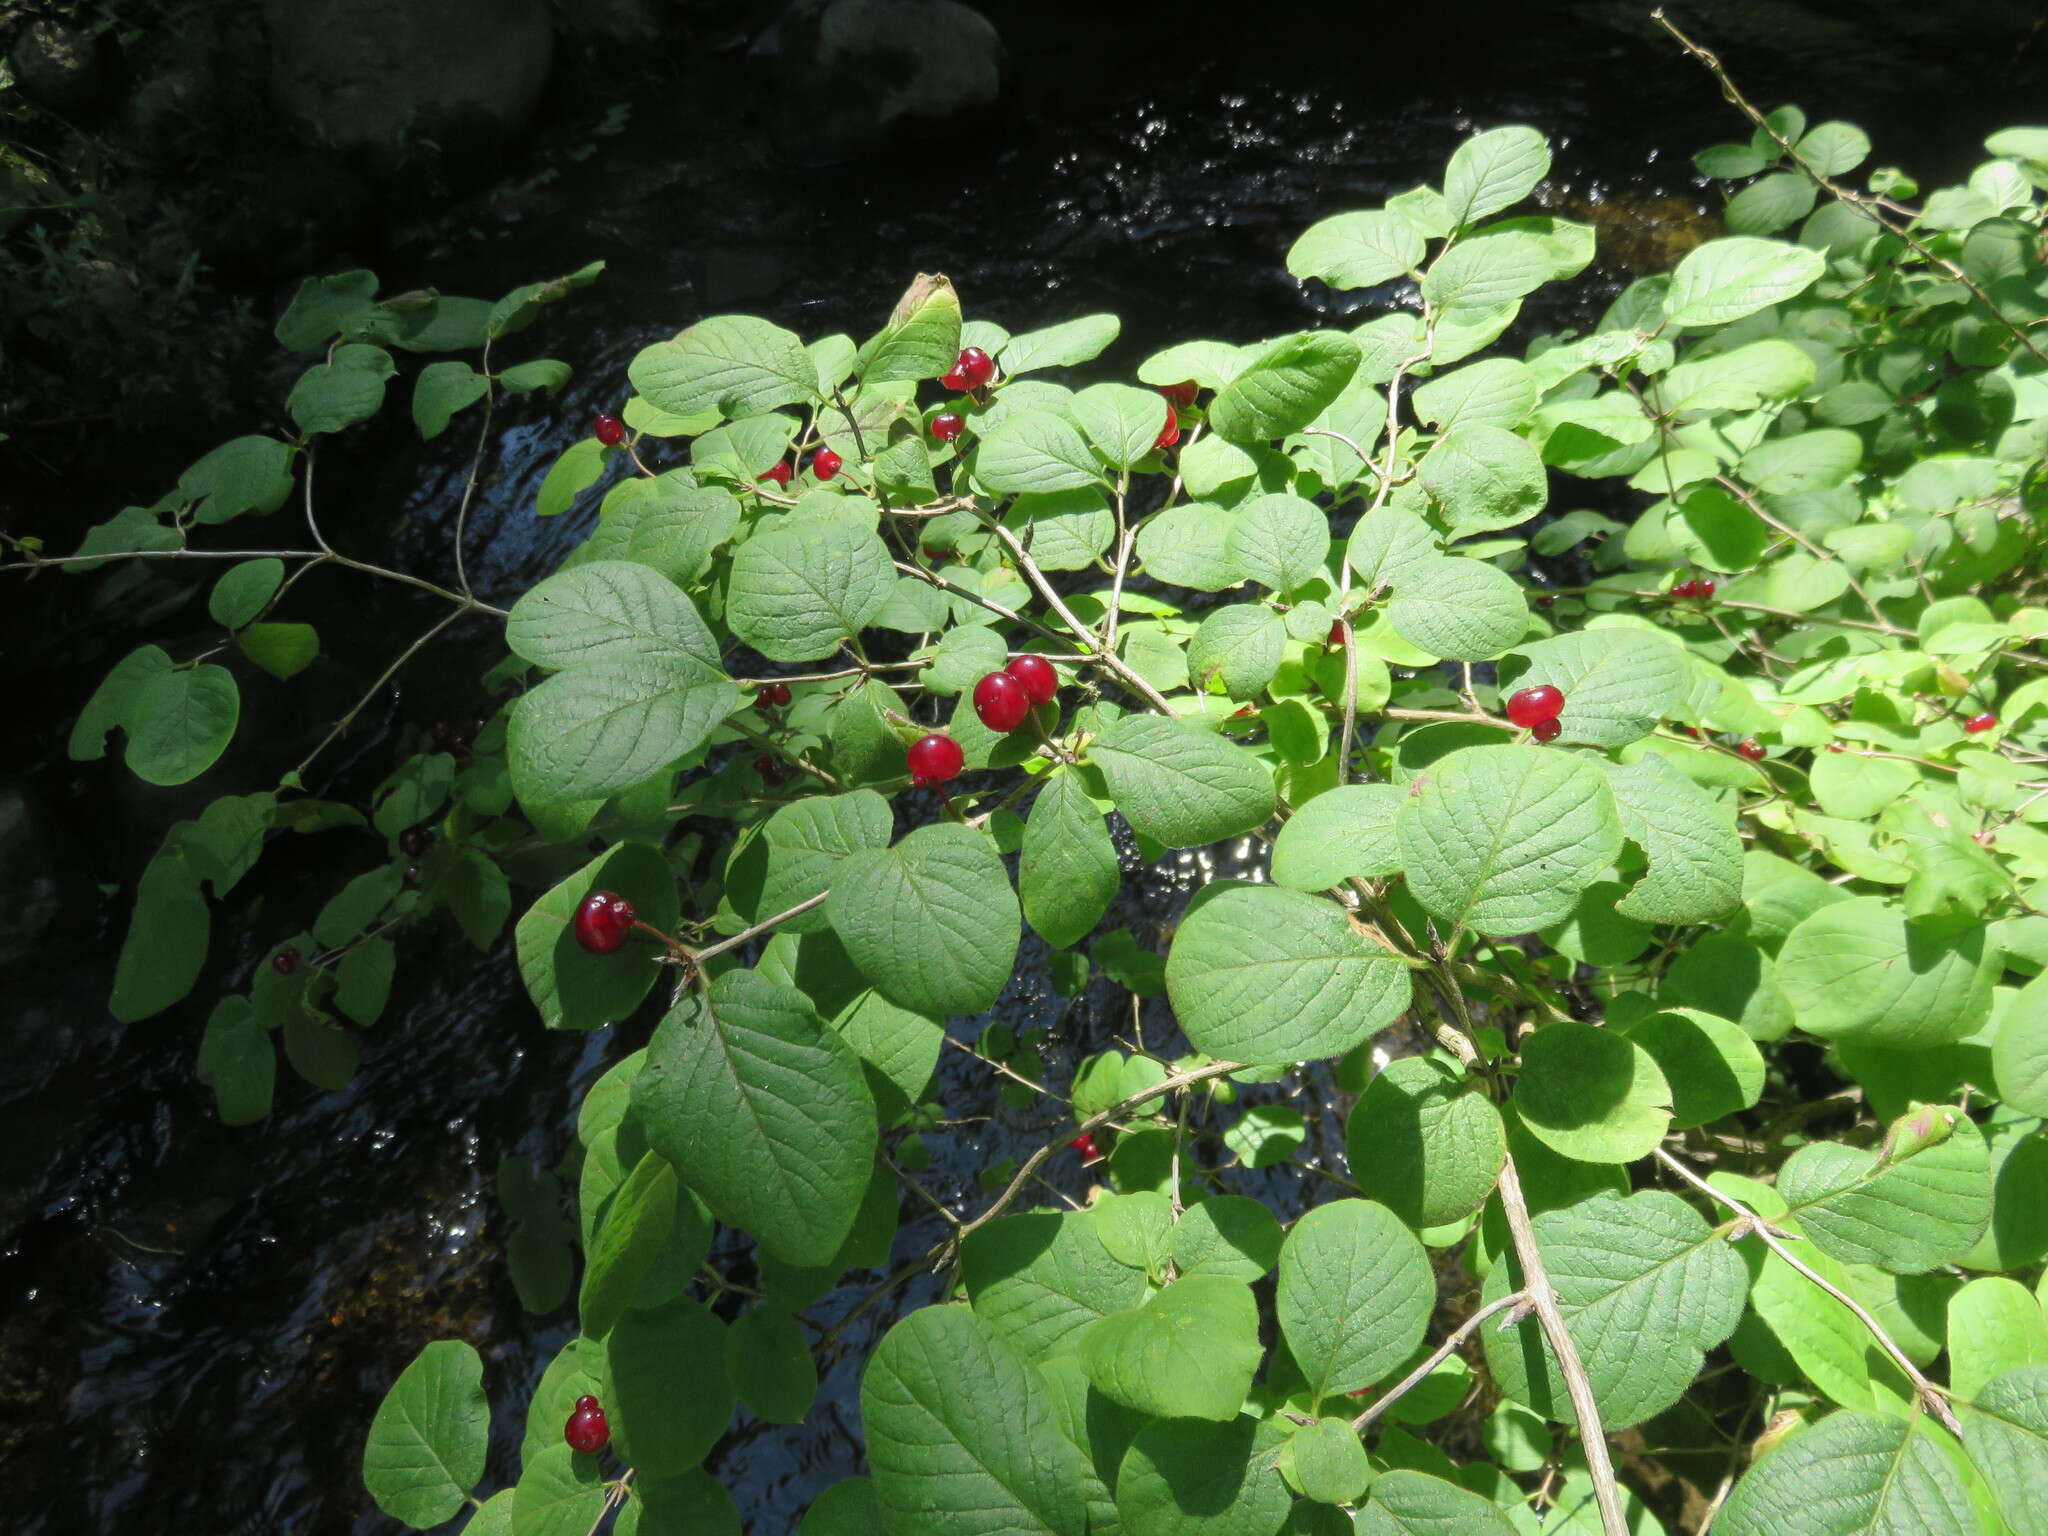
<point x="587" y="1433"/>
<point x="1002" y="700"/>
<point x="1699" y="588"/>
<point x="971" y="371"/>
<point x="1536" y="710"/>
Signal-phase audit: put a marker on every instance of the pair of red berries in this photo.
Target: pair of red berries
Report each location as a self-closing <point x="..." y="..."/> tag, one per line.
<point x="1699" y="587"/>
<point x="772" y="695"/>
<point x="1536" y="710"/>
<point x="1085" y="1145"/>
<point x="1005" y="699"/>
<point x="1977" y="725"/>
<point x="602" y="922"/>
<point x="587" y="1433"/>
<point x="970" y="371"/>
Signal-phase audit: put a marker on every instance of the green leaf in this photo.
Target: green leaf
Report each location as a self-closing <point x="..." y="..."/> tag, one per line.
<point x="355" y="906"/>
<point x="1186" y="1477"/>
<point x="1646" y="1288"/>
<point x="1426" y="1141"/>
<point x="1035" y="451"/>
<point x="179" y="722"/>
<point x="800" y="851"/>
<point x="1410" y="1503"/>
<point x="427" y="1444"/>
<point x="1907" y="1215"/>
<point x="1357" y="250"/>
<point x="799" y="589"/>
<point x="572" y="988"/>
<point x="1617" y="683"/>
<point x="1122" y="421"/>
<point x="1227" y="1235"/>
<point x="243" y="591"/>
<point x="607" y="610"/>
<point x="166" y="945"/>
<point x="1355" y="1293"/>
<point x="666" y="1392"/>
<point x="596" y="729"/>
<point x="1477" y="278"/>
<point x="1329" y="1463"/>
<point x="961" y="1436"/>
<point x="1265" y="975"/>
<point x="1851" y="1474"/>
<point x="2019" y="1052"/>
<point x="1994" y="1326"/>
<point x="735" y="364"/>
<point x="1279" y="541"/>
<point x="1266" y="1135"/>
<point x="363" y="980"/>
<point x="1285" y="388"/>
<point x="1591" y="1093"/>
<point x="1038" y="1281"/>
<point x="1808" y="461"/>
<point x="1242" y="646"/>
<point x="578" y="469"/>
<point x="1725" y="280"/>
<point x="113" y="702"/>
<point x="670" y="530"/>
<point x="848" y="1508"/>
<point x="932" y="922"/>
<point x="1189" y="1352"/>
<point x="282" y="650"/>
<point x="440" y="391"/>
<point x="1861" y="970"/>
<point x="770" y="1364"/>
<point x="238" y="1062"/>
<point x="637" y="1220"/>
<point x="1067" y="873"/>
<point x="1342" y="832"/>
<point x="1065" y="345"/>
<point x="322" y="306"/>
<point x="922" y="337"/>
<point x="1497" y="392"/>
<point x="1494" y="170"/>
<point x="559" y="1494"/>
<point x="1463" y="610"/>
<point x="1188" y="546"/>
<point x="2006" y="1434"/>
<point x="1688" y="838"/>
<point x="244" y="474"/>
<point x="764" y="1112"/>
<point x="1736" y="380"/>
<point x="346" y="389"/>
<point x="1484" y="477"/>
<point x="1180" y="785"/>
<point x="1768" y="204"/>
<point x="1712" y="1067"/>
<point x="1504" y="838"/>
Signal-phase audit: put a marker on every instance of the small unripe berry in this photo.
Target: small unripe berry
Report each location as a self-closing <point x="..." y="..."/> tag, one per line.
<point x="1976" y="725"/>
<point x="1041" y="682"/>
<point x="602" y="922"/>
<point x="1547" y="730"/>
<point x="1530" y="707"/>
<point x="1001" y="702"/>
<point x="948" y="425"/>
<point x="608" y="430"/>
<point x="772" y="695"/>
<point x="935" y="759"/>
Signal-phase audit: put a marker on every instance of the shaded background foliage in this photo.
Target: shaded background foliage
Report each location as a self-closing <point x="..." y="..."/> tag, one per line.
<point x="198" y="1322"/>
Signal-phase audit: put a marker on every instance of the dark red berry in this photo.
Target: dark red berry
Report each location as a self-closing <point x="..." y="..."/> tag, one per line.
<point x="1547" y="730"/>
<point x="975" y="366"/>
<point x="587" y="1433"/>
<point x="608" y="430"/>
<point x="1685" y="589"/>
<point x="1545" y="600"/>
<point x="1170" y="433"/>
<point x="772" y="695"/>
<point x="1041" y="683"/>
<point x="948" y="425"/>
<point x="1336" y="640"/>
<point x="285" y="961"/>
<point x="779" y="474"/>
<point x="1703" y="589"/>
<point x="1977" y="724"/>
<point x="411" y="877"/>
<point x="1181" y="396"/>
<point x="1085" y="1145"/>
<point x="1001" y="702"/>
<point x="1753" y="750"/>
<point x="587" y="1404"/>
<point x="1530" y="707"/>
<point x="935" y="759"/>
<point x="415" y="841"/>
<point x="772" y="773"/>
<point x="825" y="463"/>
<point x="955" y="380"/>
<point x="603" y="920"/>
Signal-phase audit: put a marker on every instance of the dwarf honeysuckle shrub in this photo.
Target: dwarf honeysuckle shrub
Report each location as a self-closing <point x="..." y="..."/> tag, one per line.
<point x="1714" y="875"/>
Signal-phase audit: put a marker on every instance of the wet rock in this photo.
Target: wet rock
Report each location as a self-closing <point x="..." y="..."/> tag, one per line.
<point x="390" y="77"/>
<point x="59" y="67"/>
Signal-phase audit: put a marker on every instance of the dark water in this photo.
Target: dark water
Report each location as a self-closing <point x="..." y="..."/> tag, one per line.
<point x="196" y="1323"/>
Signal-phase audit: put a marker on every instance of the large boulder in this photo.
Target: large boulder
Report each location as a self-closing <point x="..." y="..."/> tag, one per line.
<point x="384" y="77"/>
<point x="867" y="69"/>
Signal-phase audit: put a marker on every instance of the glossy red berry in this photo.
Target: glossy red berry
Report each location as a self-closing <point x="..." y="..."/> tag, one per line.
<point x="1685" y="589"/>
<point x="948" y="425"/>
<point x="954" y="380"/>
<point x="825" y="463"/>
<point x="608" y="430"/>
<point x="1530" y="707"/>
<point x="1041" y="683"/>
<point x="587" y="1433"/>
<point x="285" y="961"/>
<point x="602" y="922"/>
<point x="935" y="759"/>
<point x="779" y="475"/>
<point x="772" y="773"/>
<point x="1085" y="1145"/>
<point x="414" y="841"/>
<point x="1976" y="725"/>
<point x="1181" y="396"/>
<point x="772" y="695"/>
<point x="1703" y="589"/>
<point x="1001" y="702"/>
<point x="1170" y="433"/>
<point x="975" y="367"/>
<point x="1753" y="750"/>
<point x="1547" y="730"/>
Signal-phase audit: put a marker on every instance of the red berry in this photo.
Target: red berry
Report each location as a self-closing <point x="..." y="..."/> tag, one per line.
<point x="1170" y="433"/>
<point x="1181" y="396"/>
<point x="772" y="773"/>
<point x="948" y="425"/>
<point x="1685" y="589"/>
<point x="411" y="878"/>
<point x="1001" y="702"/>
<point x="1545" y="600"/>
<point x="1530" y="707"/>
<point x="285" y="961"/>
<point x="1753" y="750"/>
<point x="955" y="380"/>
<point x="1085" y="1145"/>
<point x="587" y="1433"/>
<point x="1547" y="730"/>
<point x="772" y="695"/>
<point x="415" y="841"/>
<point x="1336" y="640"/>
<point x="935" y="759"/>
<point x="825" y="463"/>
<point x="779" y="474"/>
<point x="1978" y="724"/>
<point x="608" y="430"/>
<point x="1703" y="589"/>
<point x="602" y="922"/>
<point x="1041" y="683"/>
<point x="975" y="366"/>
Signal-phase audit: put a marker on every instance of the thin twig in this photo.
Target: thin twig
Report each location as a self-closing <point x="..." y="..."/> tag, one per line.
<point x="698" y="957"/>
<point x="373" y="690"/>
<point x="1437" y="1356"/>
